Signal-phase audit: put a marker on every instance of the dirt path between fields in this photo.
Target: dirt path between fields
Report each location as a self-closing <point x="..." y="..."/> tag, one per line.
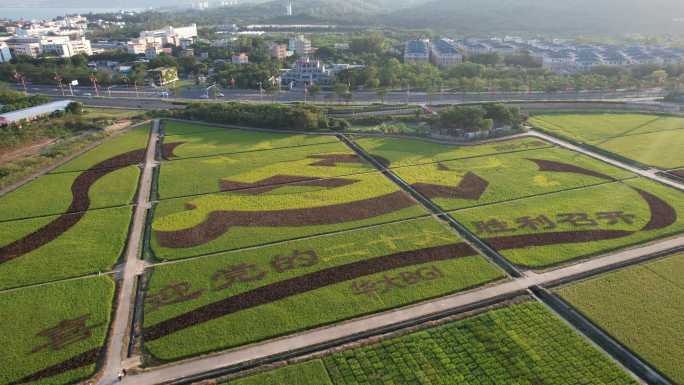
<point x="24" y="151"/>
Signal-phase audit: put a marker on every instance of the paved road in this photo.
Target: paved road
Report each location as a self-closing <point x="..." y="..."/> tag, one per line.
<point x="350" y="328"/>
<point x="393" y="97"/>
<point x="119" y="333"/>
<point x="650" y="173"/>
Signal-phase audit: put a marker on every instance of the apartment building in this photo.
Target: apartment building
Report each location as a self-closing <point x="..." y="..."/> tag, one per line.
<point x="278" y="51"/>
<point x="443" y="53"/>
<point x="417" y="51"/>
<point x="300" y="45"/>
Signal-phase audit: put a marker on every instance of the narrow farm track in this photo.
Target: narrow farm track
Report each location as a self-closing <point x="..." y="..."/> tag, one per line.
<point x="120" y="328"/>
<point x="379" y="323"/>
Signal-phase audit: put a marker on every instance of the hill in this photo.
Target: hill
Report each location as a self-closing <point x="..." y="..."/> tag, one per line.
<point x="544" y="16"/>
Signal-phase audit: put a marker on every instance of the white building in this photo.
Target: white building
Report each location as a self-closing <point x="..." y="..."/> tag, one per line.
<point x="170" y="35"/>
<point x="25" y="46"/>
<point x="444" y="53"/>
<point x="300" y="45"/>
<point x="309" y="72"/>
<point x="5" y="54"/>
<point x="63" y="46"/>
<point x="417" y="51"/>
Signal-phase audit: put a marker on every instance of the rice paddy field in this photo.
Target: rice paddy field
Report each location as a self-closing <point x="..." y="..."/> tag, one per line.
<point x="654" y="140"/>
<point x="195" y="140"/>
<point x="410" y="152"/>
<point x="519" y="344"/>
<point x="73" y="222"/>
<point x="242" y="297"/>
<point x="243" y="170"/>
<point x="197" y="225"/>
<point x="53" y="334"/>
<point x="642" y="307"/>
<point x="257" y="235"/>
<point x="557" y="228"/>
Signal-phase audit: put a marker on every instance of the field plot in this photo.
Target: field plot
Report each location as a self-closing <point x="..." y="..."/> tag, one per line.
<point x="649" y="139"/>
<point x="229" y="300"/>
<point x="53" y="334"/>
<point x="641" y="307"/>
<point x="123" y="150"/>
<point x="56" y="247"/>
<point x="307" y="373"/>
<point x="519" y="344"/>
<point x="484" y="180"/>
<point x="555" y="228"/>
<point x="70" y="192"/>
<point x="194" y="139"/>
<point x="407" y="152"/>
<point x="258" y="169"/>
<point x="192" y="226"/>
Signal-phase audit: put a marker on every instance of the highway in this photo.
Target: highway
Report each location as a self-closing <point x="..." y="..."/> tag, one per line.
<point x="298" y="95"/>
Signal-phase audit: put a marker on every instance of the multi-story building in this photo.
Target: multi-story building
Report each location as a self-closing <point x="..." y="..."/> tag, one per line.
<point x="242" y="58"/>
<point x="168" y="36"/>
<point x="26" y="46"/>
<point x="300" y="45"/>
<point x="63" y="46"/>
<point x="5" y="54"/>
<point x="443" y="53"/>
<point x="278" y="51"/>
<point x="153" y="50"/>
<point x="308" y="72"/>
<point x="417" y="51"/>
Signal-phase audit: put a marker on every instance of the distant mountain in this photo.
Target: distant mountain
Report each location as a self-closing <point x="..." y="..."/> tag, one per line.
<point x="545" y="16"/>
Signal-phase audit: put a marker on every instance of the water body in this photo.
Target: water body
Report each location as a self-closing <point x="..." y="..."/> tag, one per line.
<point x="39" y="13"/>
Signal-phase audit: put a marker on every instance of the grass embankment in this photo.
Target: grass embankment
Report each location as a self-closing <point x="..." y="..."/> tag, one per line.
<point x="641" y="307"/>
<point x="519" y="344"/>
<point x="654" y="140"/>
<point x="28" y="312"/>
<point x="315" y="306"/>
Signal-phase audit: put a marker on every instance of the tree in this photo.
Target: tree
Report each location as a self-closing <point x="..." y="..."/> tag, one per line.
<point x="341" y="89"/>
<point x="373" y="43"/>
<point x="382" y="94"/>
<point x="75" y="108"/>
<point x="314" y="90"/>
<point x="489" y="59"/>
